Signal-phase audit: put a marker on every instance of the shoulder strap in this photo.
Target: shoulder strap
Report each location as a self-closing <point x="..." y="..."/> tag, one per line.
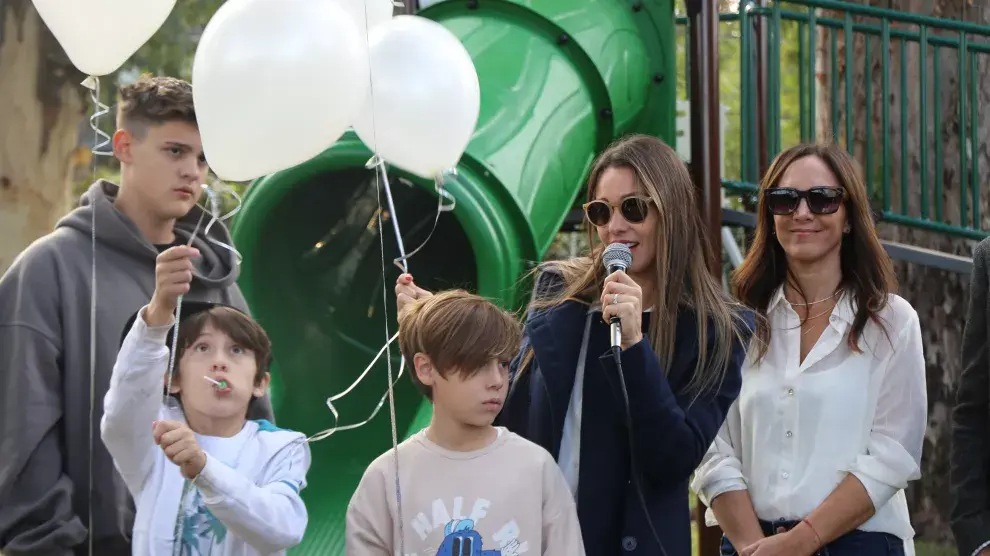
<point x="570" y="441"/>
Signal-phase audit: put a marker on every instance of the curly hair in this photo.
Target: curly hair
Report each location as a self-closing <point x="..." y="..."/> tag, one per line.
<point x="154" y="100"/>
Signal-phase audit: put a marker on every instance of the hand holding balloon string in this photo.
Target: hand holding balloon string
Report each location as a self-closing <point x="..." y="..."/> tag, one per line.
<point x="216" y="216"/>
<point x="412" y="50"/>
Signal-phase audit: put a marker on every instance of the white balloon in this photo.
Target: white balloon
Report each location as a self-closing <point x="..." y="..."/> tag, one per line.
<point x="368" y="14"/>
<point x="426" y="96"/>
<point x="100" y="35"/>
<point x="275" y="83"/>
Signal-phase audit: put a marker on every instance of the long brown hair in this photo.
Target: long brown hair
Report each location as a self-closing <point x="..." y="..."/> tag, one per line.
<point x="682" y="279"/>
<point x="867" y="273"/>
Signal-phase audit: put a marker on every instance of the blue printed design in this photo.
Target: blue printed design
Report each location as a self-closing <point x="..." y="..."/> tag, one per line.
<point x="264" y="425"/>
<point x="462" y="540"/>
<point x="200" y="529"/>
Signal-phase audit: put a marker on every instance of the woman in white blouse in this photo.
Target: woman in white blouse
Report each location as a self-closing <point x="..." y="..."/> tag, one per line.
<point x="828" y="428"/>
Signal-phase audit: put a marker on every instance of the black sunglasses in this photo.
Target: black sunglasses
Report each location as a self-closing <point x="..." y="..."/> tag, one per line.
<point x="633" y="209"/>
<point x="820" y="200"/>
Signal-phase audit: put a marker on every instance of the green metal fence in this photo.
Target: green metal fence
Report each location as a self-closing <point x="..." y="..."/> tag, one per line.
<point x="874" y="79"/>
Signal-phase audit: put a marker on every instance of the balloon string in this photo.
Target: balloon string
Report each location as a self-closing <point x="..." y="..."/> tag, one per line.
<point x="442" y="194"/>
<point x="381" y="239"/>
<point x="378" y="163"/>
<point x="401" y="261"/>
<point x="391" y="382"/>
<point x="336" y="414"/>
<point x="99" y="109"/>
<point x="93" y="84"/>
<point x="213" y="195"/>
<point x="381" y="175"/>
<point x="214" y="211"/>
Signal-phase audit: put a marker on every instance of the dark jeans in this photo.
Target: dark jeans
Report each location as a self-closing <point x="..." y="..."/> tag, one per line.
<point x="854" y="543"/>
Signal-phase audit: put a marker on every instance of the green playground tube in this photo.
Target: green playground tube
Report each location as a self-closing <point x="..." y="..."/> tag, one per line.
<point x="559" y="79"/>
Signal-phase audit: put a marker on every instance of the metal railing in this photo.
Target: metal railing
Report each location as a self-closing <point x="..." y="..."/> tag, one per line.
<point x="870" y="79"/>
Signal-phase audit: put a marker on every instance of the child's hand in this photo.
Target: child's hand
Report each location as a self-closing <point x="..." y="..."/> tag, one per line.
<point x="173" y="277"/>
<point x="180" y="446"/>
<point x="406" y="291"/>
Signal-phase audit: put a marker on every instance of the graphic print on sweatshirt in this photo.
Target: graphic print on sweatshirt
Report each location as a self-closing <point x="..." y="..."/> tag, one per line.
<point x="454" y="533"/>
<point x="199" y="531"/>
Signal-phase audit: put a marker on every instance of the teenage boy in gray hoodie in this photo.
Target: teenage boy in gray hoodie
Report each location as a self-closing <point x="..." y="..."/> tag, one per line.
<point x="45" y="414"/>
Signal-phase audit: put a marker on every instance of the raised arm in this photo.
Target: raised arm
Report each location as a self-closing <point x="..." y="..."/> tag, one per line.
<point x="137" y="386"/>
<point x="406" y="291"/>
<point x="970" y="456"/>
<point x="36" y="514"/>
<point x="134" y="400"/>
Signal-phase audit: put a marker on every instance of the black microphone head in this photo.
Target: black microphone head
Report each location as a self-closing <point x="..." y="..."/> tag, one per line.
<point x="617" y="256"/>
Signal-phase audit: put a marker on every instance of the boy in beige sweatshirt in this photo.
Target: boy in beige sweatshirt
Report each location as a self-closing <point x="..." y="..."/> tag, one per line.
<point x="467" y="488"/>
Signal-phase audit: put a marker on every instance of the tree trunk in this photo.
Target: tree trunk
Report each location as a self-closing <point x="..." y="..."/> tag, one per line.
<point x="43" y="105"/>
<point x="939" y="297"/>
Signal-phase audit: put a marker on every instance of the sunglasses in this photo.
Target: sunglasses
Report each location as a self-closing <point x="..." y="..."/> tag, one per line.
<point x="633" y="209"/>
<point x="820" y="200"/>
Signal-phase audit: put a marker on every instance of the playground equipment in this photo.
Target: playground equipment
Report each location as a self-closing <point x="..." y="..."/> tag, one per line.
<point x="559" y="81"/>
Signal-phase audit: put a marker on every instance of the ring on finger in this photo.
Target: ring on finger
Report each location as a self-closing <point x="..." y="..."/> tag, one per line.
<point x="615" y="299"/>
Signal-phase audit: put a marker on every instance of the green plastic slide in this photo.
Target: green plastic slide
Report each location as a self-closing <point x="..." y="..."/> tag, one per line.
<point x="560" y="79"/>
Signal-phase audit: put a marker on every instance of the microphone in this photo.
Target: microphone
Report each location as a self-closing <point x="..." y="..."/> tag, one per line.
<point x="617" y="256"/>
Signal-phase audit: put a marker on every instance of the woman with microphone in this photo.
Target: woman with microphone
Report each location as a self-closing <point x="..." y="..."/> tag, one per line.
<point x="629" y="426"/>
<point x="829" y="426"/>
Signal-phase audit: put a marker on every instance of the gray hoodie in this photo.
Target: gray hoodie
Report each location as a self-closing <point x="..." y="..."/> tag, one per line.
<point x="45" y="422"/>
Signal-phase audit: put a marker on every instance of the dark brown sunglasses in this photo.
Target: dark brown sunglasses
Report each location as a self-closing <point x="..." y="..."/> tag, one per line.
<point x="820" y="200"/>
<point x="633" y="209"/>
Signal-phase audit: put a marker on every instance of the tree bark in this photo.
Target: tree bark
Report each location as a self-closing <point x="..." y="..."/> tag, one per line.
<point x="43" y="105"/>
<point x="939" y="297"/>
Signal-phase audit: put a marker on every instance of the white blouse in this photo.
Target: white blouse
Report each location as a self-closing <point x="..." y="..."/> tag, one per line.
<point x="798" y="428"/>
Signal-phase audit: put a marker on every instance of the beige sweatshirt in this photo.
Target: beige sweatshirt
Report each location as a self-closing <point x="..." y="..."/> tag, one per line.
<point x="506" y="499"/>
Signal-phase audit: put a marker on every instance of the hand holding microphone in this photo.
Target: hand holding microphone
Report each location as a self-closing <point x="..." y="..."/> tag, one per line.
<point x="622" y="298"/>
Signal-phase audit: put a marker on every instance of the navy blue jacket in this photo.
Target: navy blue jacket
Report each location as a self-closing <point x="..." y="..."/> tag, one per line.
<point x="670" y="433"/>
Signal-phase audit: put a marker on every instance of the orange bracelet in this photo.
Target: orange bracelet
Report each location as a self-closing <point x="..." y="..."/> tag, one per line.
<point x="817" y="538"/>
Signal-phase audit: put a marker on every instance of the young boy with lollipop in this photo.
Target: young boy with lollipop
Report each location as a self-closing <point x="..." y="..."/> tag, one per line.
<point x="205" y="479"/>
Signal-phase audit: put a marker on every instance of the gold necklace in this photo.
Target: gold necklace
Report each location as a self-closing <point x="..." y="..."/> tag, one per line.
<point x="809" y="319"/>
<point x="813" y="302"/>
